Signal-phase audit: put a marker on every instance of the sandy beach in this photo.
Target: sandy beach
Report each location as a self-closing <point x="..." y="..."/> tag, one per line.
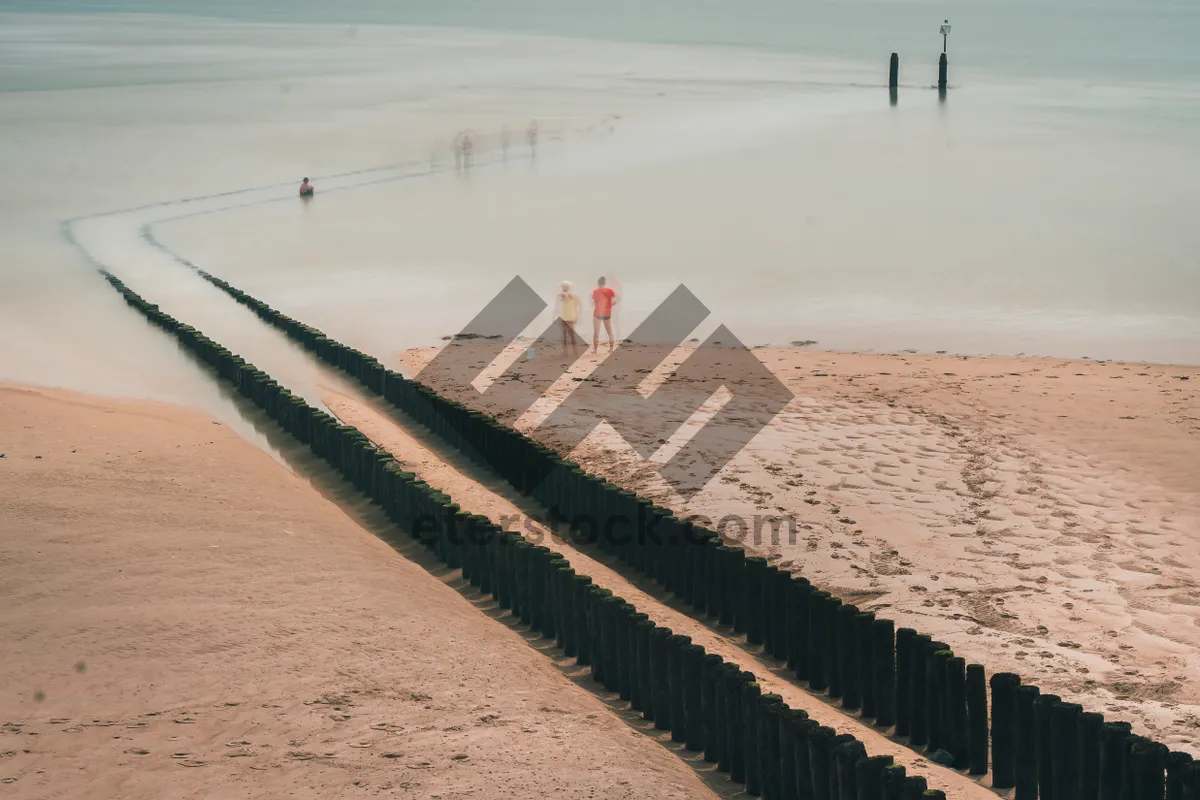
<point x="494" y="499"/>
<point x="187" y="609"/>
<point x="1039" y="515"/>
<point x="185" y="617"/>
<point x="1035" y="514"/>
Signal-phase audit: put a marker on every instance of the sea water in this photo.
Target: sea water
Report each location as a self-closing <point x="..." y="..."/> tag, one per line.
<point x="748" y="151"/>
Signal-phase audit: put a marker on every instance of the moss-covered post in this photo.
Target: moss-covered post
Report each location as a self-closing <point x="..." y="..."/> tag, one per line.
<point x="917" y="682"/>
<point x="905" y="639"/>
<point x="751" y="710"/>
<point x="1064" y="731"/>
<point x="847" y="657"/>
<point x="1178" y="765"/>
<point x="956" y="711"/>
<point x="712" y="666"/>
<point x="893" y="782"/>
<point x="820" y="741"/>
<point x="1004" y="729"/>
<point x="883" y="650"/>
<point x="1043" y="711"/>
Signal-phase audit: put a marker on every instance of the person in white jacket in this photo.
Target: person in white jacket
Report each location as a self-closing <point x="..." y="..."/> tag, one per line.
<point x="568" y="316"/>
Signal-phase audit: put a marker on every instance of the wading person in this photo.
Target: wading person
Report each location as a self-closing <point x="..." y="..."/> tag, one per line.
<point x="602" y="307"/>
<point x="532" y="135"/>
<point x="467" y="147"/>
<point x="306" y="189"/>
<point x="568" y="315"/>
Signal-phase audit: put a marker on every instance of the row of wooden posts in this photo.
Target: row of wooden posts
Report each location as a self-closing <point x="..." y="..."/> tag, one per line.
<point x="890" y="678"/>
<point x="905" y="680"/>
<point x="894" y="75"/>
<point x="708" y="705"/>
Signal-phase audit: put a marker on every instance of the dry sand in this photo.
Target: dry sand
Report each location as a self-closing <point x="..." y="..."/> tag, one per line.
<point x="1040" y="515"/>
<point x="493" y="499"/>
<point x="185" y="617"/>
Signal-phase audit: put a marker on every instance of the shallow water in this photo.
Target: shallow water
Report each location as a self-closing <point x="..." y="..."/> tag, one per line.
<point x="1045" y="207"/>
<point x="1122" y="40"/>
<point x="816" y="221"/>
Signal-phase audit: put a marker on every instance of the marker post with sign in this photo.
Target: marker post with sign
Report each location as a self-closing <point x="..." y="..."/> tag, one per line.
<point x="942" y="65"/>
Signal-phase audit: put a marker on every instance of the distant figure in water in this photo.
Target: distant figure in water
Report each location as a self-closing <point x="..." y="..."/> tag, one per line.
<point x="568" y="315"/>
<point x="306" y="189"/>
<point x="602" y="307"/>
<point x="462" y="151"/>
<point x="532" y="135"/>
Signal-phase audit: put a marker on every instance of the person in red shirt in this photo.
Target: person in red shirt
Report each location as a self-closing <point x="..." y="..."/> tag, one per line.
<point x="602" y="306"/>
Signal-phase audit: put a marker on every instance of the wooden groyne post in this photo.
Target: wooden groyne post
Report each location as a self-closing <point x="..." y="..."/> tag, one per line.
<point x="942" y="64"/>
<point x="894" y="77"/>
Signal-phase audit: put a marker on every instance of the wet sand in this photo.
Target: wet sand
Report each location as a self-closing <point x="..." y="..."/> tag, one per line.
<point x="183" y="616"/>
<point x="1041" y="516"/>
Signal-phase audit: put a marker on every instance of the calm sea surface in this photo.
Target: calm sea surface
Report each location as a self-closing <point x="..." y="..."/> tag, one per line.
<point x="747" y="150"/>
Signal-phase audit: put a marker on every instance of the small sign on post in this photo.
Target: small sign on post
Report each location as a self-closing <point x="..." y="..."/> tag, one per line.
<point x="945" y="33"/>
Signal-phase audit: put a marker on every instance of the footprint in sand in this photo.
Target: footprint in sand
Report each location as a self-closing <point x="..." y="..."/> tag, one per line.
<point x="386" y="726"/>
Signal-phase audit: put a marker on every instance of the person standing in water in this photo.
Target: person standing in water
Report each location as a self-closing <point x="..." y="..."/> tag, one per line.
<point x="532" y="135"/>
<point x="306" y="189"/>
<point x="568" y="315"/>
<point x="602" y="307"/>
<point x="467" y="147"/>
